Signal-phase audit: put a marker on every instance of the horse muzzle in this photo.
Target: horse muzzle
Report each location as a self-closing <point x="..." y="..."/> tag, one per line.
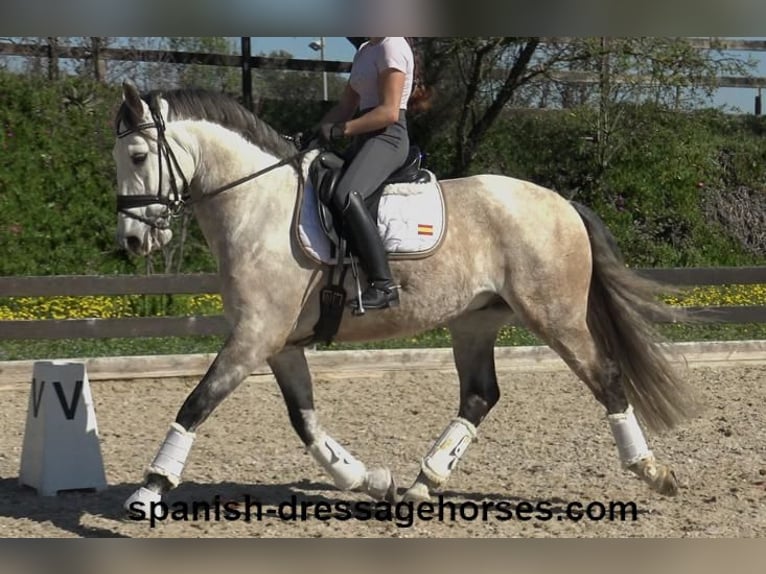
<point x="142" y="244"/>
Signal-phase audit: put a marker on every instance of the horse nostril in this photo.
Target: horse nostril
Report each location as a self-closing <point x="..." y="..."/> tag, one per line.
<point x="133" y="243"/>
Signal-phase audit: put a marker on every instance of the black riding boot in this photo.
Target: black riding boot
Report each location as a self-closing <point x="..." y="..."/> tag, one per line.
<point x="382" y="292"/>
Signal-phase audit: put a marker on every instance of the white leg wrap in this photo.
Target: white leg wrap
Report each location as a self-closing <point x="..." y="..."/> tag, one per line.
<point x="444" y="455"/>
<point x="630" y="440"/>
<point x="346" y="471"/>
<point x="171" y="458"/>
<point x="144" y="497"/>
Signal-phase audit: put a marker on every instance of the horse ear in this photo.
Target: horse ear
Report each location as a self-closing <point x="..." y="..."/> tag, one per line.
<point x="164" y="107"/>
<point x="132" y="99"/>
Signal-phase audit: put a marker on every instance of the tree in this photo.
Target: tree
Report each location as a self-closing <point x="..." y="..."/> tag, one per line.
<point x="481" y="76"/>
<point x="146" y="75"/>
<point x="293" y="85"/>
<point x="669" y="72"/>
<point x="220" y="78"/>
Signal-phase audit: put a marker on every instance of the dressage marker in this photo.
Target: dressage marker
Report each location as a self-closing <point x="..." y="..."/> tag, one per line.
<point x="61" y="450"/>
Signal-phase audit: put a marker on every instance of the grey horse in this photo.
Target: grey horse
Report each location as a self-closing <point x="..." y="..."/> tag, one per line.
<point x="513" y="251"/>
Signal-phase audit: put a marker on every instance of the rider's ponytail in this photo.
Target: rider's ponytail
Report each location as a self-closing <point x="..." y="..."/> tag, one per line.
<point x="420" y="99"/>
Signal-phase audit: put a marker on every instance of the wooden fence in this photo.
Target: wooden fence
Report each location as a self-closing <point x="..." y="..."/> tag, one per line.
<point x="99" y="55"/>
<point x="50" y="286"/>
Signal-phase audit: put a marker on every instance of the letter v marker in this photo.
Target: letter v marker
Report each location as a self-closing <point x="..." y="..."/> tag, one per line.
<point x="69" y="409"/>
<point x="37" y="398"/>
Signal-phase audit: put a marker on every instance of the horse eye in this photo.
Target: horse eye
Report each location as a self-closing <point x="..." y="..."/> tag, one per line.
<point x="138" y="159"/>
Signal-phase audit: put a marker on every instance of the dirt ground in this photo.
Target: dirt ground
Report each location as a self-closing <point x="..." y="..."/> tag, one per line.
<point x="546" y="445"/>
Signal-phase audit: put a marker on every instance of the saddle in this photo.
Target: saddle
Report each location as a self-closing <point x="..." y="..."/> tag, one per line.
<point x="324" y="174"/>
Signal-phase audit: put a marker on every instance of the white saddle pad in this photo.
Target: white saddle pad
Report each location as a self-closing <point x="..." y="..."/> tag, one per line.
<point x="411" y="221"/>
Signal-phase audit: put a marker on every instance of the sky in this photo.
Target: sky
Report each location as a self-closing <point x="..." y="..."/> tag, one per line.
<point x="335" y="48"/>
<point x="744" y="98"/>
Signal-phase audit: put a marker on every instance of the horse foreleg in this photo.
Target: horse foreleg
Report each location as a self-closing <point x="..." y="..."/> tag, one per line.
<point x="236" y="360"/>
<point x="348" y="473"/>
<point x="475" y="362"/>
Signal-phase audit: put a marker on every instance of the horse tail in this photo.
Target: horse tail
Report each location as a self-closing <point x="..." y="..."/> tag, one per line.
<point x="622" y="307"/>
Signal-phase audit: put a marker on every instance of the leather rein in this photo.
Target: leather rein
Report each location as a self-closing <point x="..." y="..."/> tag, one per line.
<point x="179" y="199"/>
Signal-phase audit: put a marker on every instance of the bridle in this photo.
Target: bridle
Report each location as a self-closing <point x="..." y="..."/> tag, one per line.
<point x="179" y="199"/>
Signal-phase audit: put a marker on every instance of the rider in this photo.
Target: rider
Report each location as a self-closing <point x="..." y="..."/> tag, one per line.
<point x="379" y="87"/>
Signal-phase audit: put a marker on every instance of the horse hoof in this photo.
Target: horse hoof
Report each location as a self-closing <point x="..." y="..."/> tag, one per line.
<point x="418" y="492"/>
<point x="668" y="485"/>
<point x="659" y="477"/>
<point x="392" y="494"/>
<point x="380" y="484"/>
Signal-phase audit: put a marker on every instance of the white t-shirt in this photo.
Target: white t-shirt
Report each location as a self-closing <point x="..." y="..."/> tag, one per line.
<point x="371" y="59"/>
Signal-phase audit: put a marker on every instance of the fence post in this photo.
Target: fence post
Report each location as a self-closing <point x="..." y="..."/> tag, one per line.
<point x="99" y="65"/>
<point x="53" y="58"/>
<point x="247" y="77"/>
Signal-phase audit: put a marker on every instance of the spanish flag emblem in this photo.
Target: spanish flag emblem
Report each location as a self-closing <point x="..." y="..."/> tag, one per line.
<point x="425" y="229"/>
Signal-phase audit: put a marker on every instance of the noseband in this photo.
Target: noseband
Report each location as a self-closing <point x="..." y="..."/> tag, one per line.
<point x="178" y="200"/>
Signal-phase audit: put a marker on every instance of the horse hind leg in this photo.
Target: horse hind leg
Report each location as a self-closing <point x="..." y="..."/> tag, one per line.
<point x="572" y="339"/>
<point x="348" y="473"/>
<point x="629" y="438"/>
<point x="473" y="345"/>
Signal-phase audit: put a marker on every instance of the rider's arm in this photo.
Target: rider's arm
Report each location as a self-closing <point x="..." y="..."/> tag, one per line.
<point x="345" y="108"/>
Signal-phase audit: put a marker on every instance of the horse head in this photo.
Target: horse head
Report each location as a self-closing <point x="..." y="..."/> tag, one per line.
<point x="151" y="181"/>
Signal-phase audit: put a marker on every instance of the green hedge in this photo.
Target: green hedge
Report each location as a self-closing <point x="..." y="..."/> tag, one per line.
<point x="57" y="210"/>
<point x="652" y="191"/>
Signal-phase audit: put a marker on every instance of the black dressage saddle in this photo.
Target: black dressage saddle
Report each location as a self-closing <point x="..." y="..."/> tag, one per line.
<point x="325" y="173"/>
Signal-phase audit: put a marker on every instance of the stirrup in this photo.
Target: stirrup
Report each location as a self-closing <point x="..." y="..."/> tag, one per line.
<point x="375" y="298"/>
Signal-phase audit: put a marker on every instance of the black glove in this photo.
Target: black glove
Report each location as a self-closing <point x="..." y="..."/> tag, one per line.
<point x="329" y="132"/>
<point x="307" y="140"/>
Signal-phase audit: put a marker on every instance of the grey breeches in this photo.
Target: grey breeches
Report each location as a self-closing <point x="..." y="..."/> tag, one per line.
<point x="375" y="156"/>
